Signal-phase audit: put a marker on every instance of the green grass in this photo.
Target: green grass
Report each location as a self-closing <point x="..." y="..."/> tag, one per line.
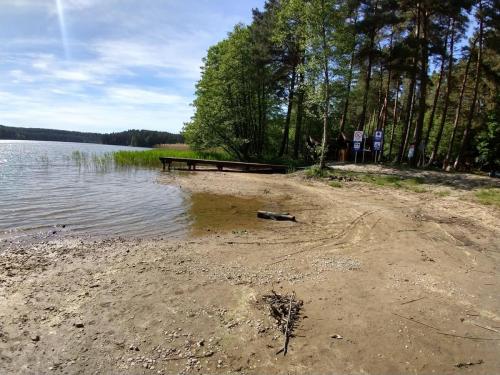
<point x="411" y="184"/>
<point x="336" y="184"/>
<point x="489" y="196"/>
<point x="92" y="161"/>
<point x="442" y="193"/>
<point x="316" y="172"/>
<point x="151" y="158"/>
<point x="392" y="181"/>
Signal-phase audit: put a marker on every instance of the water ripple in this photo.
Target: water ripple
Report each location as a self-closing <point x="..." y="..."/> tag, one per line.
<point x="42" y="189"/>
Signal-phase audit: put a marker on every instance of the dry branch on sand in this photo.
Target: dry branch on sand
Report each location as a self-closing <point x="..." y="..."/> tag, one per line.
<point x="286" y="311"/>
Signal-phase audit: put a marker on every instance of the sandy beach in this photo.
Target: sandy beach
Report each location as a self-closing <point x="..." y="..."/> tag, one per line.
<point x="391" y="281"/>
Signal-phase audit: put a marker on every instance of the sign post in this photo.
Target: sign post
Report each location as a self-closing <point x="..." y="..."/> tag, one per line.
<point x="358" y="138"/>
<point x="378" y="138"/>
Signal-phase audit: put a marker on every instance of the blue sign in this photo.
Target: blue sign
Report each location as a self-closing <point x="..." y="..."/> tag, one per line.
<point x="357" y="146"/>
<point x="377" y="140"/>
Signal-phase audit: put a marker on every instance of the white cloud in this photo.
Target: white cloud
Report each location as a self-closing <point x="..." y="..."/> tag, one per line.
<point x="117" y="109"/>
<point x="177" y="57"/>
<point x="74" y="75"/>
<point x="19" y="76"/>
<point x="130" y="95"/>
<point x="133" y="63"/>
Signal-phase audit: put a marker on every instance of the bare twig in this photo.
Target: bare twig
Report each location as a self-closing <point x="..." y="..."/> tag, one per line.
<point x="438" y="331"/>
<point x="486" y="327"/>
<point x="287" y="331"/>
<point x="413" y="300"/>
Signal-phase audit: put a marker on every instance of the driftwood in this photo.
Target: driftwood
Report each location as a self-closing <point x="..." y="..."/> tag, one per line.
<point x="275" y="215"/>
<point x="286" y="311"/>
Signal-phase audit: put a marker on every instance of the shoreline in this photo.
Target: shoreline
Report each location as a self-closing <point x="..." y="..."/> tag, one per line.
<point x="369" y="263"/>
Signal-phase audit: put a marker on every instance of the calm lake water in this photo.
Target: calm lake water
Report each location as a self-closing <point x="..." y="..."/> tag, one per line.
<point x="47" y="187"/>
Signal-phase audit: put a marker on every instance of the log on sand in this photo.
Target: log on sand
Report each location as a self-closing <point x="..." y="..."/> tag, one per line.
<point x="275" y="215"/>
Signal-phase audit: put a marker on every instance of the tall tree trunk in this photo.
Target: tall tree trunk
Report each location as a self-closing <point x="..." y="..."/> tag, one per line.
<point x="417" y="139"/>
<point x="264" y="117"/>
<point x="348" y="94"/>
<point x="368" y="76"/>
<point x="408" y="118"/>
<point x="343" y="119"/>
<point x="410" y="100"/>
<point x="410" y="122"/>
<point x="394" y="117"/>
<point x="466" y="136"/>
<point x="380" y="96"/>
<point x="259" y="114"/>
<point x="300" y="114"/>
<point x="457" y="112"/>
<point x="385" y="105"/>
<point x="373" y="121"/>
<point x="446" y="99"/>
<point x="438" y="88"/>
<point x="286" y="130"/>
<point x="327" y="90"/>
<point x="384" y="113"/>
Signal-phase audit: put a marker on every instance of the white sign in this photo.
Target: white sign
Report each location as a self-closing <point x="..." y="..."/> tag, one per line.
<point x="411" y="152"/>
<point x="358" y="136"/>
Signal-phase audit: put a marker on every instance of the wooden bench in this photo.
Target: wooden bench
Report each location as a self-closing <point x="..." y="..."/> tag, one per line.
<point x="220" y="164"/>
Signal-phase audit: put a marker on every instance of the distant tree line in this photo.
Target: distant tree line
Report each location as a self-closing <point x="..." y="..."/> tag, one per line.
<point x="141" y="138"/>
<point x="321" y="69"/>
<point x="137" y="138"/>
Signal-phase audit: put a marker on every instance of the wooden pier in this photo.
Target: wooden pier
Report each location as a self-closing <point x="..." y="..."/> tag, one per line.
<point x="220" y="164"/>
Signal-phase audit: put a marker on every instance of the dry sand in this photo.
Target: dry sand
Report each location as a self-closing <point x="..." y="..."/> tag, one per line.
<point x="406" y="282"/>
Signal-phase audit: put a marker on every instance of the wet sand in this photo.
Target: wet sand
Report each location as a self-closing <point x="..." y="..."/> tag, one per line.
<point x="408" y="281"/>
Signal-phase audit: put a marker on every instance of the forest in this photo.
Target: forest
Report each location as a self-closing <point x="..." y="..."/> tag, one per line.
<point x="305" y="74"/>
<point x="137" y="138"/>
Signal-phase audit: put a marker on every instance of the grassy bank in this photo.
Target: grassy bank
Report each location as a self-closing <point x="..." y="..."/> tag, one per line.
<point x="486" y="194"/>
<point x="150" y="158"/>
<point x="489" y="196"/>
<point x="393" y="181"/>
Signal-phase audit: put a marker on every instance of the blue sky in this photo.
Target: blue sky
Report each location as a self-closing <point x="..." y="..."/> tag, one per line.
<point x="107" y="65"/>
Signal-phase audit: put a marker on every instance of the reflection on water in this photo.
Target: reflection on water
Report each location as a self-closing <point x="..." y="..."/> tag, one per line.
<point x="75" y="188"/>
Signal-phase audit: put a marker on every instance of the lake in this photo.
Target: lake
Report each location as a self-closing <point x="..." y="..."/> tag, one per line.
<point x="48" y="187"/>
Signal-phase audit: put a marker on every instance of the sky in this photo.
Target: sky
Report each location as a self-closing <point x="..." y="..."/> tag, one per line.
<point x="107" y="65"/>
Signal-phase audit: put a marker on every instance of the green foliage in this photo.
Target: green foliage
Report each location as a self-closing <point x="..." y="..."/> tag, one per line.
<point x="316" y="172"/>
<point x="141" y="138"/>
<point x="138" y="138"/>
<point x="299" y="62"/>
<point x="488" y="145"/>
<point x="232" y="89"/>
<point x="7" y="132"/>
<point x="489" y="196"/>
